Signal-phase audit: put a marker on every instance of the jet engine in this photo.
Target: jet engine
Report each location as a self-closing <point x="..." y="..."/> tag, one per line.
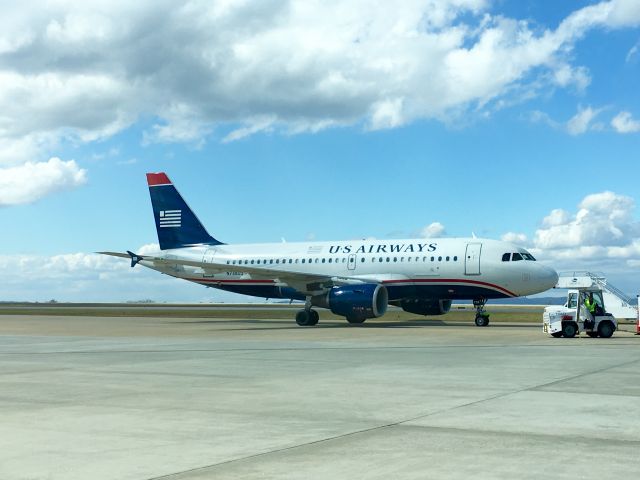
<point x="426" y="306"/>
<point x="367" y="300"/>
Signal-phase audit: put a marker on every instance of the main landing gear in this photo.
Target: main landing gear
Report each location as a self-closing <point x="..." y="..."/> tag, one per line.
<point x="307" y="317"/>
<point x="482" y="317"/>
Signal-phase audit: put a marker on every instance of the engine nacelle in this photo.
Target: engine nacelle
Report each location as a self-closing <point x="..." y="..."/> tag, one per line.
<point x="426" y="306"/>
<point x="367" y="300"/>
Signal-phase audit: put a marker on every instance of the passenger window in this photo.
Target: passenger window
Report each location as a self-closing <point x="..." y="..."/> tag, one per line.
<point x="251" y="262"/>
<point x="506" y="257"/>
<point x="433" y="258"/>
<point x="395" y="259"/>
<point x="516" y="257"/>
<point x="330" y="260"/>
<point x="303" y="260"/>
<point x="388" y="259"/>
<point x="447" y="258"/>
<point x="271" y="261"/>
<point x="362" y="260"/>
<point x="439" y="259"/>
<point x="277" y="260"/>
<point x="455" y="258"/>
<point x="323" y="260"/>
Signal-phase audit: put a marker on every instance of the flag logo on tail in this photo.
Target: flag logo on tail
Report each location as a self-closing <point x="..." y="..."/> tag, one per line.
<point x="170" y="218"/>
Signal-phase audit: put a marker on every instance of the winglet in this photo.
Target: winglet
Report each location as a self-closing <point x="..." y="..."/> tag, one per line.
<point x="135" y="259"/>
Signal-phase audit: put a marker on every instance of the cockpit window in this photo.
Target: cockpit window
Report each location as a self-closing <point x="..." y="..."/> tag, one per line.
<point x="517" y="257"/>
<point x="526" y="255"/>
<point x="506" y="257"/>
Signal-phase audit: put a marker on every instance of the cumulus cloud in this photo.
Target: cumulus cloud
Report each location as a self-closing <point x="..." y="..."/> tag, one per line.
<point x="517" y="238"/>
<point x="603" y="235"/>
<point x="92" y="277"/>
<point x="433" y="230"/>
<point x="86" y="71"/>
<point x="581" y="121"/>
<point x="624" y="123"/>
<point x="246" y="67"/>
<point x="31" y="181"/>
<point x="603" y="220"/>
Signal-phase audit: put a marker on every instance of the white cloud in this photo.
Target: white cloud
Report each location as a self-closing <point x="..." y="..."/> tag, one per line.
<point x="433" y="230"/>
<point x="303" y="65"/>
<point x="32" y="181"/>
<point x="601" y="236"/>
<point x="624" y="123"/>
<point x="517" y="238"/>
<point x="91" y="277"/>
<point x="555" y="218"/>
<point x="603" y="222"/>
<point x="632" y="53"/>
<point x="565" y="75"/>
<point x="86" y="71"/>
<point x="581" y="121"/>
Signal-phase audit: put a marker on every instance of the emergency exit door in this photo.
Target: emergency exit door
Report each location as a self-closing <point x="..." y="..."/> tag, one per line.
<point x="472" y="259"/>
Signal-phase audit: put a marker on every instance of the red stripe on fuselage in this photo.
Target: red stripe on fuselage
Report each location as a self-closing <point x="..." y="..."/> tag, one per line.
<point x="443" y="281"/>
<point x="446" y="281"/>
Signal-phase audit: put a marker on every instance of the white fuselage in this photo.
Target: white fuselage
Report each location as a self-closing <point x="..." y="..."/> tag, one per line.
<point x="441" y="268"/>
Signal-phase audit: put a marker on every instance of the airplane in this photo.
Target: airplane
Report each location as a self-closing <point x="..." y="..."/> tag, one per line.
<point x="356" y="279"/>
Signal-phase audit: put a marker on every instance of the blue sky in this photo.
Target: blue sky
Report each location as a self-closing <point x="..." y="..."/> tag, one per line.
<point x="303" y="120"/>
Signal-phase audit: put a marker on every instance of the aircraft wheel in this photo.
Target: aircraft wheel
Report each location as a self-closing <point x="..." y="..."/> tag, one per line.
<point x="482" y="321"/>
<point x="314" y="317"/>
<point x="569" y="330"/>
<point x="605" y="329"/>
<point x="355" y="320"/>
<point x="304" y="318"/>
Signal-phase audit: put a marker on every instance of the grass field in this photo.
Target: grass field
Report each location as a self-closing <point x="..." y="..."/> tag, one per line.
<point x="460" y="313"/>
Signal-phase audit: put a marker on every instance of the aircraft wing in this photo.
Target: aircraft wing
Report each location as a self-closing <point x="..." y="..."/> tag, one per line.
<point x="306" y="283"/>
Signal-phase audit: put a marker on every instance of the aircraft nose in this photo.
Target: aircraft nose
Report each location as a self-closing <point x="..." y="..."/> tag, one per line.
<point x="548" y="277"/>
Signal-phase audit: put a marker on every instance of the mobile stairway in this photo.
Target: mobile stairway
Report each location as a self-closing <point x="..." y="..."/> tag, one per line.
<point x="618" y="303"/>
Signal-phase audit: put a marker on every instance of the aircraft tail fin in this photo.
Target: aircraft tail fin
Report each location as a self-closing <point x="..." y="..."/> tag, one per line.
<point x="176" y="224"/>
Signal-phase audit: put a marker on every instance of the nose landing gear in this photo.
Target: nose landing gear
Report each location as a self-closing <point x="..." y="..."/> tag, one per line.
<point x="482" y="317"/>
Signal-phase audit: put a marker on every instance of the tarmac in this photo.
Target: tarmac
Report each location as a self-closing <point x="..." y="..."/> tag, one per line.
<point x="184" y="398"/>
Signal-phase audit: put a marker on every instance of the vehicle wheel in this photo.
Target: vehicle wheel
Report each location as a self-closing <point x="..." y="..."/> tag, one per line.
<point x="303" y="318"/>
<point x="605" y="329"/>
<point x="556" y="335"/>
<point x="482" y="321"/>
<point x="355" y="320"/>
<point x="314" y="317"/>
<point x="569" y="330"/>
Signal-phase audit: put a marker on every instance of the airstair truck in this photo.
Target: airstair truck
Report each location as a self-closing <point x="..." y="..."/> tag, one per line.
<point x="574" y="317"/>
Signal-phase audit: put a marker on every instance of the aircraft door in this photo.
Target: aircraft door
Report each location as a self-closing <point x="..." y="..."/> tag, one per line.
<point x="351" y="261"/>
<point x="472" y="259"/>
<point x="208" y="258"/>
<point x="208" y="255"/>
